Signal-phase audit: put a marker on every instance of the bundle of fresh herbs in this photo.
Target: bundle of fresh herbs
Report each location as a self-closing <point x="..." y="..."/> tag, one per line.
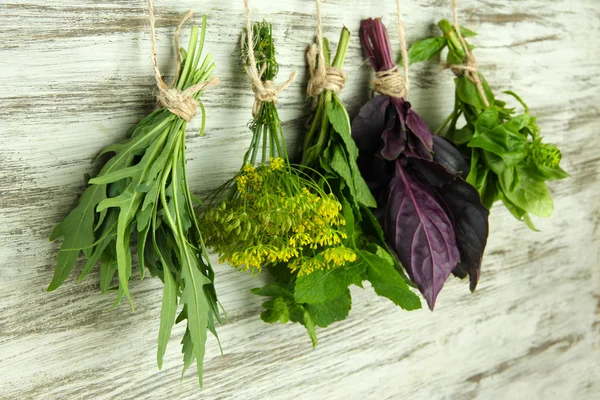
<point x="329" y="157"/>
<point x="272" y="214"/>
<point x="142" y="192"/>
<point x="433" y="220"/>
<point x="508" y="159"/>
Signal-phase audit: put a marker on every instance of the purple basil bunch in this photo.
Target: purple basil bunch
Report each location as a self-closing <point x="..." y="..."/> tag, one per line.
<point x="433" y="220"/>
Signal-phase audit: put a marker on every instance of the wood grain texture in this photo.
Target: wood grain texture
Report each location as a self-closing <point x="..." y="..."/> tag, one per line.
<point x="75" y="77"/>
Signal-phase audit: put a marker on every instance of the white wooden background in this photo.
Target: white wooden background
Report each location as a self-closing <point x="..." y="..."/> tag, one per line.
<point x="76" y="75"/>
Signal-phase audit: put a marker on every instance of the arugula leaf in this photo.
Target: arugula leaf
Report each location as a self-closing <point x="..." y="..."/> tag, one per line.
<point x="167" y="315"/>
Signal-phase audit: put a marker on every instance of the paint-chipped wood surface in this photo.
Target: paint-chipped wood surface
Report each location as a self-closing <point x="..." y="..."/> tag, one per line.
<point x="74" y="76"/>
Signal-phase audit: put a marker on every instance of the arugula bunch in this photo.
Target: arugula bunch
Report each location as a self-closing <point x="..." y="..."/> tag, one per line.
<point x="433" y="220"/>
<point x="323" y="296"/>
<point x="142" y="192"/>
<point x="508" y="159"/>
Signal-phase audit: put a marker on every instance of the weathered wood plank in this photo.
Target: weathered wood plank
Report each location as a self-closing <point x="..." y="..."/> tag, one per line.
<point x="75" y="77"/>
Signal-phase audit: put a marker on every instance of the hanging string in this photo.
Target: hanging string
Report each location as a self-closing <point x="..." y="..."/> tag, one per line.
<point x="264" y="91"/>
<point x="469" y="69"/>
<point x="322" y="76"/>
<point x="180" y="103"/>
<point x="391" y="82"/>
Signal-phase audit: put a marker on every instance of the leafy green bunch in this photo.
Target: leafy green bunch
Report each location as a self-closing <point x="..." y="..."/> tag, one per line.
<point x="272" y="214"/>
<point x="509" y="160"/>
<point x="323" y="297"/>
<point x="142" y="192"/>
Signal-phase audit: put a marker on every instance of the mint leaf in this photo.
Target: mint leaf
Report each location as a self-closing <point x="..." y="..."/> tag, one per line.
<point x="301" y="315"/>
<point x="332" y="311"/>
<point x="276" y="310"/>
<point x="387" y="281"/>
<point x="322" y="286"/>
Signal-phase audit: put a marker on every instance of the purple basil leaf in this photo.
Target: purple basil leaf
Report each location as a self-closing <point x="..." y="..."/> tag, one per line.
<point x="420" y="233"/>
<point x="394" y="141"/>
<point x="370" y="122"/>
<point x="431" y="172"/>
<point x="471" y="226"/>
<point x="449" y="156"/>
<point x="418" y="127"/>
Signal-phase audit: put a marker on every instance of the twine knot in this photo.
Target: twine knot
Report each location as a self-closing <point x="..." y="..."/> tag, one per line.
<point x="391" y="83"/>
<point x="323" y="77"/>
<point x="469" y="68"/>
<point x="180" y="102"/>
<point x="264" y="91"/>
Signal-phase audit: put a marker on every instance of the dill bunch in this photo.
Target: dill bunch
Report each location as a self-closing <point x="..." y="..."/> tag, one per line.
<point x="271" y="213"/>
<point x="276" y="215"/>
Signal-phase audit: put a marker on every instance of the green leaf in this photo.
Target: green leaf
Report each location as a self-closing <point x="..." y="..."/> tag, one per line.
<point x="332" y="311"/>
<point x="468" y="93"/>
<point x="526" y="192"/>
<point x="301" y="315"/>
<point x="78" y="231"/>
<point x="386" y="280"/>
<point x="462" y="135"/>
<point x="274" y="290"/>
<point x="167" y="315"/>
<point x="487" y="121"/>
<point x="426" y="49"/>
<point x="322" y="286"/>
<point x="344" y="160"/>
<point x="505" y="140"/>
<point x="276" y="310"/>
<point x="188" y="350"/>
<point x="195" y="300"/>
<point x="466" y="32"/>
<point x="108" y="267"/>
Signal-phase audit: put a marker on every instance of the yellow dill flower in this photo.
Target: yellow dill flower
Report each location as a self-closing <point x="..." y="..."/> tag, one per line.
<point x="339" y="255"/>
<point x="276" y="163"/>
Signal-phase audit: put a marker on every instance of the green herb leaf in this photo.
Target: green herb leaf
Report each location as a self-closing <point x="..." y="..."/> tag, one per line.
<point x="332" y="311"/>
<point x="387" y="281"/>
<point x="167" y="315"/>
<point x="521" y="187"/>
<point x="322" y="286"/>
<point x="276" y="310"/>
<point x="426" y="49"/>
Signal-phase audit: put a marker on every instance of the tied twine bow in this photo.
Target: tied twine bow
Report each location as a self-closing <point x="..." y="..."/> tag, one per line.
<point x="179" y="102"/>
<point x="391" y="82"/>
<point x="264" y="91"/>
<point x="469" y="68"/>
<point x="322" y="77"/>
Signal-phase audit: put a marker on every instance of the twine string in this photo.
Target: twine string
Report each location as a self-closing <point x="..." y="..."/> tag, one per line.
<point x="179" y="102"/>
<point x="322" y="77"/>
<point x="469" y="69"/>
<point x="264" y="91"/>
<point x="392" y="82"/>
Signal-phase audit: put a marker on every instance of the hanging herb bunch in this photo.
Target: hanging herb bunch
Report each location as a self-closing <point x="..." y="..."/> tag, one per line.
<point x="272" y="214"/>
<point x="322" y="296"/>
<point x="509" y="160"/>
<point x="142" y="192"/>
<point x="433" y="219"/>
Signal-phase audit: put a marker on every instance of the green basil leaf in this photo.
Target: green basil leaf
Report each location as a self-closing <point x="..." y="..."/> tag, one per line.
<point x="426" y="49"/>
<point x="524" y="190"/>
<point x="468" y="93"/>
